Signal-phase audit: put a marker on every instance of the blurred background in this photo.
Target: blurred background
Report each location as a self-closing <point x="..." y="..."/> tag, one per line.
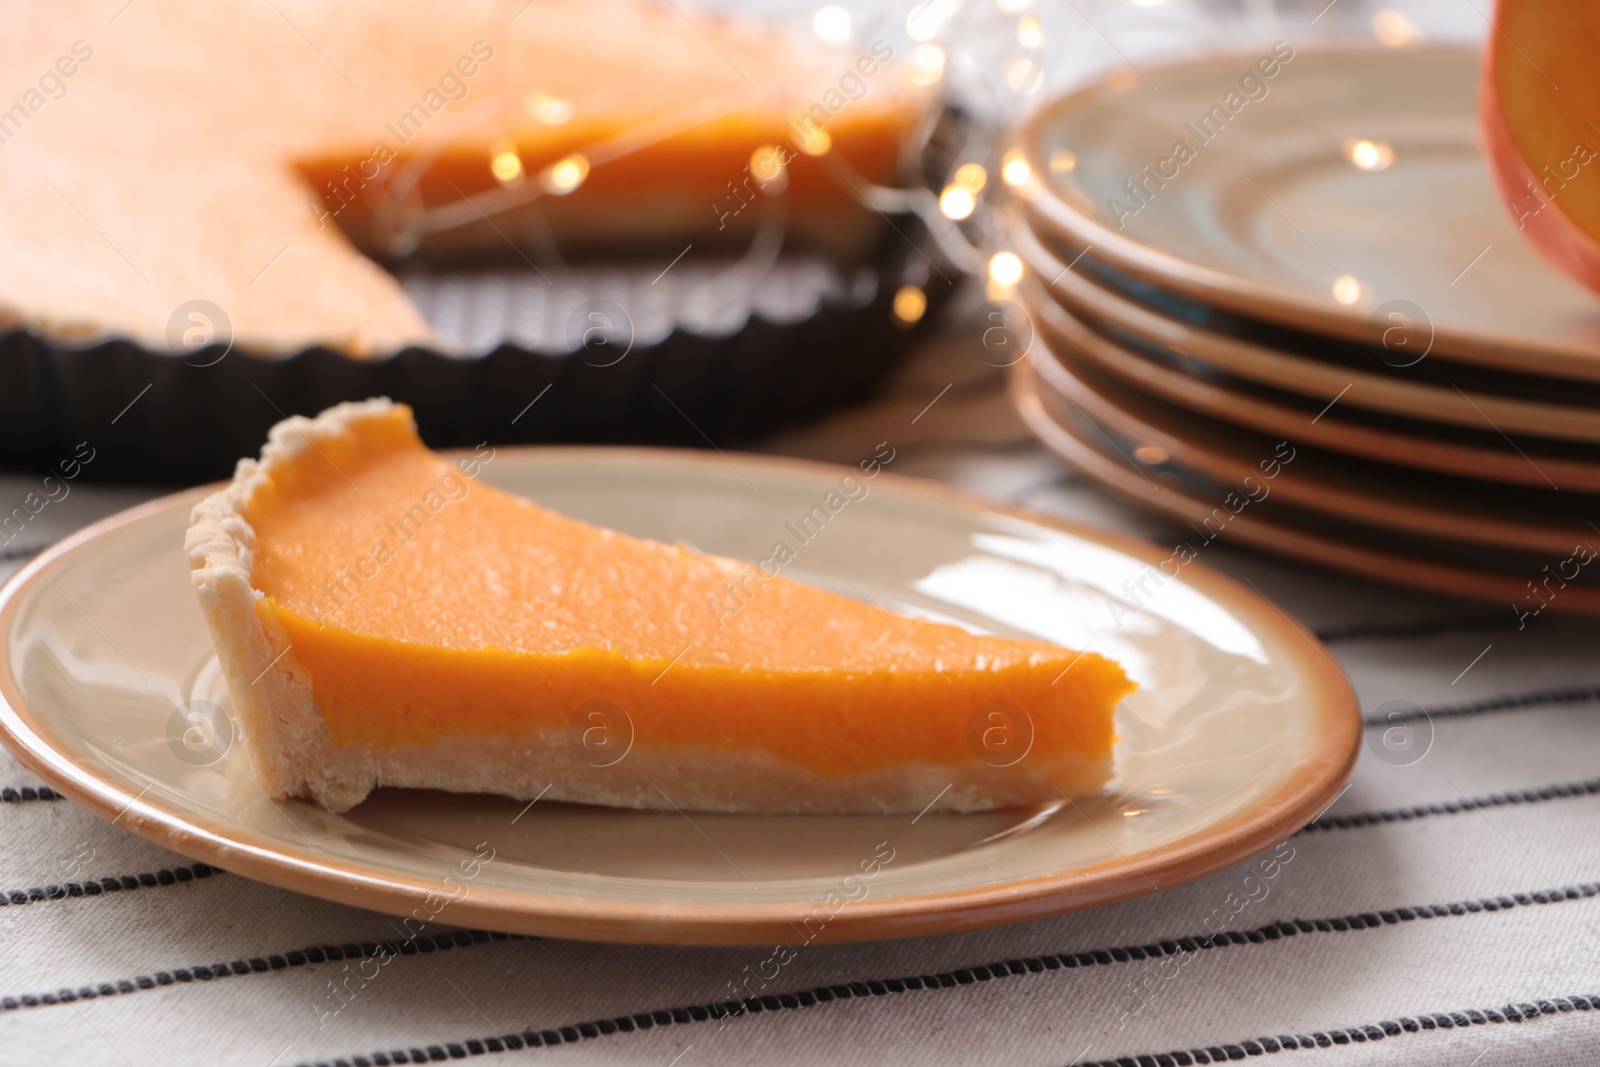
<point x="1242" y="268"/>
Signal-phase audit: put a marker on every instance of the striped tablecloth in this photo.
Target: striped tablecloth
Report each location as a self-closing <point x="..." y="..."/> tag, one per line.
<point x="1443" y="911"/>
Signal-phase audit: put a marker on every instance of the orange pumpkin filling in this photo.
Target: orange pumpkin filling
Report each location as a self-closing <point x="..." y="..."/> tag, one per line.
<point x="712" y="182"/>
<point x="424" y="603"/>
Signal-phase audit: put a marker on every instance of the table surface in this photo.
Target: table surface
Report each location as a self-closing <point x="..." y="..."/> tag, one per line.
<point x="1444" y="911"/>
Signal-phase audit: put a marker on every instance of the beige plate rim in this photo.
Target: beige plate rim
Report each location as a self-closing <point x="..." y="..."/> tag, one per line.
<point x="1304" y="374"/>
<point x="1330" y="757"/>
<point x="1364" y="561"/>
<point x="1198" y="447"/>
<point x="1390" y="509"/>
<point x="1255" y="299"/>
<point x="1329" y="430"/>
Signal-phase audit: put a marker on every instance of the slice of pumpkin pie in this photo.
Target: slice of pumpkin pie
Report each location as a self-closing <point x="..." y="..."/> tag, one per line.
<point x="383" y="618"/>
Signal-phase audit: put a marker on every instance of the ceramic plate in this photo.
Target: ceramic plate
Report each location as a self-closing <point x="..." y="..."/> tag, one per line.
<point x="1242" y="730"/>
<point x="1421" y="388"/>
<point x="1207" y="506"/>
<point x="1388" y="497"/>
<point x="1423" y="445"/>
<point x="1282" y="213"/>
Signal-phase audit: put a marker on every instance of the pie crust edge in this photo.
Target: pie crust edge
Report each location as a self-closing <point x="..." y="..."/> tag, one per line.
<point x="284" y="731"/>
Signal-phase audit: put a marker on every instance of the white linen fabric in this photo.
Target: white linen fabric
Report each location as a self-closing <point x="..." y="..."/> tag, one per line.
<point x="1442" y="912"/>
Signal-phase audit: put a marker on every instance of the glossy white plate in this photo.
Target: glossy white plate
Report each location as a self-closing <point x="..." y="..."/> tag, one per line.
<point x="1243" y="728"/>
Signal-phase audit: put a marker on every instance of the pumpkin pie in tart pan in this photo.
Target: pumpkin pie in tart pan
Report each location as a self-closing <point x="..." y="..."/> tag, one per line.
<point x="221" y="216"/>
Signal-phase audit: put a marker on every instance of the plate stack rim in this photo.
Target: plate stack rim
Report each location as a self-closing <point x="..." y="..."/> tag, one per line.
<point x="1182" y="347"/>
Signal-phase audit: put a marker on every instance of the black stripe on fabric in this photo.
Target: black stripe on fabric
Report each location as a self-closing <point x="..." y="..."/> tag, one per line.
<point x="1581" y="694"/>
<point x="109" y="884"/>
<point x="303" y="957"/>
<point x="1454" y="807"/>
<point x="322" y="953"/>
<point x="1420" y="628"/>
<point x="1275" y="931"/>
<point x="1356" y="1035"/>
<point x="19" y="794"/>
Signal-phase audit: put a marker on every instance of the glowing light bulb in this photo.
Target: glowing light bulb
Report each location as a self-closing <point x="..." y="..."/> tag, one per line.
<point x="910" y="304"/>
<point x="1014" y="171"/>
<point x="1369" y="155"/>
<point x="1029" y="33"/>
<point x="766" y="164"/>
<point x="818" y="144"/>
<point x="1394" y="29"/>
<point x="1022" y="74"/>
<point x="504" y="163"/>
<point x="565" y="175"/>
<point x="550" y="110"/>
<point x="971" y="177"/>
<point x="927" y="63"/>
<point x="831" y="24"/>
<point x="925" y="22"/>
<point x="1005" y="269"/>
<point x="1346" y="290"/>
<point x="957" y="203"/>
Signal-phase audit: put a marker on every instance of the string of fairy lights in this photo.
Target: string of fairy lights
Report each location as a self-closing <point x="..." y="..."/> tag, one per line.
<point x="1000" y="68"/>
<point x="997" y="74"/>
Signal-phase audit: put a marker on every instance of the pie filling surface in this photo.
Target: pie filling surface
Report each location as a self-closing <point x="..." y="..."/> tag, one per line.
<point x="424" y="604"/>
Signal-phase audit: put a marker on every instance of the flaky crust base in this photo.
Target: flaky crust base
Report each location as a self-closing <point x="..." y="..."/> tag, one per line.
<point x="279" y="721"/>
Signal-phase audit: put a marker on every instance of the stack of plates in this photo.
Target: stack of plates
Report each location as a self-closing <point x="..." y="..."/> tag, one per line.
<point x="1292" y="312"/>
